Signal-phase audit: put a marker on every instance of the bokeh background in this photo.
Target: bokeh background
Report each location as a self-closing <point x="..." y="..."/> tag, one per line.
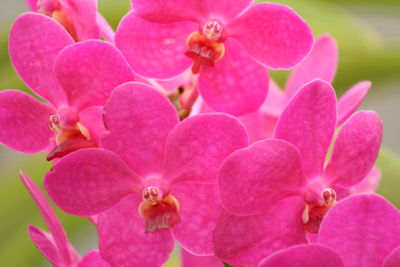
<point x="368" y="33"/>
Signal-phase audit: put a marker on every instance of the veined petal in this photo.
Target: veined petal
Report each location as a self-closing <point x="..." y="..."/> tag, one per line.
<point x="190" y="260"/>
<point x="24" y="122"/>
<point x="227" y="10"/>
<point x="90" y="181"/>
<point x="273" y="34"/>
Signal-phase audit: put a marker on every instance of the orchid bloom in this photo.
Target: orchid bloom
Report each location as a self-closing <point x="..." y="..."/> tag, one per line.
<point x="75" y="78"/>
<point x="362" y="230"/>
<point x="228" y="42"/>
<point x="281" y="187"/>
<point x="190" y="260"/>
<point x="55" y="245"/>
<point x="157" y="178"/>
<point x="78" y="17"/>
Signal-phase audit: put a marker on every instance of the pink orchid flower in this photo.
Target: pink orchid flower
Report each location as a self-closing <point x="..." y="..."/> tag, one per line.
<point x="78" y="17"/>
<point x="362" y="230"/>
<point x="55" y="245"/>
<point x="75" y="78"/>
<point x="281" y="188"/>
<point x="157" y="180"/>
<point x="321" y="63"/>
<point x="190" y="260"/>
<point x="228" y="42"/>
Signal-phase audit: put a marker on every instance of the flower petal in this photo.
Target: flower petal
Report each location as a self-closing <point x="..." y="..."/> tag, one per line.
<point x="253" y="179"/>
<point x="227" y="10"/>
<point x="35" y="41"/>
<point x="93" y="259"/>
<point x="92" y="119"/>
<point x="90" y="181"/>
<point x="236" y="84"/>
<point x="350" y="101"/>
<point x="393" y="259"/>
<point x="312" y="255"/>
<point x="190" y="260"/>
<point x="246" y="240"/>
<point x="122" y="237"/>
<point x="362" y="229"/>
<point x="45" y="244"/>
<point x="309" y="122"/>
<point x="24" y="122"/>
<point x="107" y="32"/>
<point x="139" y="120"/>
<point x="356" y="149"/>
<point x="154" y="50"/>
<point x="198" y="145"/>
<point x="32" y="4"/>
<point x="89" y="71"/>
<point x="321" y="63"/>
<point x="199" y="208"/>
<point x="273" y="34"/>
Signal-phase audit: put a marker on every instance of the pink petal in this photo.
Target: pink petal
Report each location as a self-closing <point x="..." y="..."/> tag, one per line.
<point x="273" y="34"/>
<point x="190" y="260"/>
<point x="24" y="122"/>
<point x="252" y="179"/>
<point x="350" y="101"/>
<point x="171" y="11"/>
<point x="93" y="259"/>
<point x="362" y="229"/>
<point x="107" y="32"/>
<point x="154" y="50"/>
<point x="83" y="14"/>
<point x="356" y="149"/>
<point x="226" y="10"/>
<point x="139" y="120"/>
<point x="198" y="145"/>
<point x="254" y="123"/>
<point x="304" y="255"/>
<point x="92" y="119"/>
<point x="122" y="237"/>
<point x="90" y="181"/>
<point x="89" y="71"/>
<point x="321" y="63"/>
<point x="275" y="101"/>
<point x="59" y="238"/>
<point x="32" y="4"/>
<point x="236" y="84"/>
<point x="45" y="244"/>
<point x="393" y="259"/>
<point x="35" y="41"/>
<point x="246" y="240"/>
<point x="199" y="208"/>
<point x="309" y="122"/>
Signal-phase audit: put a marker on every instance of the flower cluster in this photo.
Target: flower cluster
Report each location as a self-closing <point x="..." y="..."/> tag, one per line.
<point x="170" y="129"/>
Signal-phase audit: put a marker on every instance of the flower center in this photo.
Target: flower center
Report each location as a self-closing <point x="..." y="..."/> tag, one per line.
<point x="205" y="47"/>
<point x="158" y="209"/>
<point x="71" y="135"/>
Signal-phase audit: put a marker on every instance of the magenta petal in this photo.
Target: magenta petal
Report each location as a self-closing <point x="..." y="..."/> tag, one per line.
<point x="190" y="260"/>
<point x="356" y="149"/>
<point x="107" y="32"/>
<point x="139" y="120"/>
<point x="92" y="119"/>
<point x="101" y="68"/>
<point x="309" y="122"/>
<point x="93" y="259"/>
<point x="321" y="63"/>
<point x="199" y="208"/>
<point x="226" y="10"/>
<point x="253" y="179"/>
<point x="273" y="34"/>
<point x="122" y="237"/>
<point x="313" y="255"/>
<point x="246" y="240"/>
<point x="236" y="84"/>
<point x="350" y="101"/>
<point x="32" y="4"/>
<point x="393" y="259"/>
<point x="35" y="41"/>
<point x="45" y="244"/>
<point x="154" y="50"/>
<point x="24" y="122"/>
<point x="362" y="229"/>
<point x="198" y="145"/>
<point x="171" y="11"/>
<point x="90" y="181"/>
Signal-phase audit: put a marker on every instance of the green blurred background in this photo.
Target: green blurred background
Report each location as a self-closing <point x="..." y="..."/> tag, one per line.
<point x="368" y="33"/>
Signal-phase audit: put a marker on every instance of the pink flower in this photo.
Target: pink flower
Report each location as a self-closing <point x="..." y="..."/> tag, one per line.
<point x="363" y="230"/>
<point x="79" y="17"/>
<point x="157" y="180"/>
<point x="55" y="245"/>
<point x="75" y="79"/>
<point x="281" y="188"/>
<point x="227" y="42"/>
<point x="190" y="260"/>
